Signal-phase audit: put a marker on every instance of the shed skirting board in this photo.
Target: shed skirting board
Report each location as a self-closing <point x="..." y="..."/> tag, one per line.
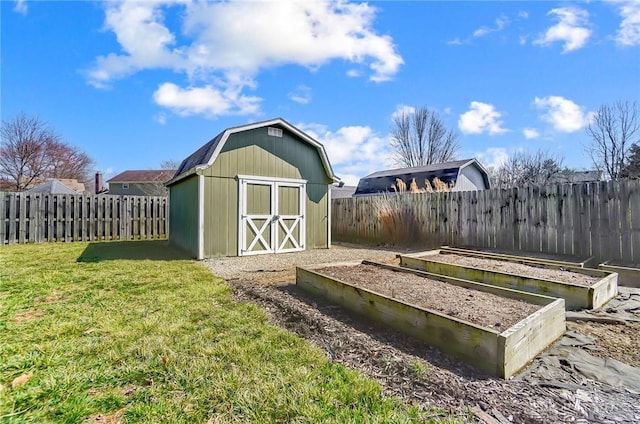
<point x="501" y="354"/>
<point x="575" y="296"/>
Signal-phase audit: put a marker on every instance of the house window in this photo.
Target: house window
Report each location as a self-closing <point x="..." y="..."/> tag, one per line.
<point x="125" y="186"/>
<point x="275" y="132"/>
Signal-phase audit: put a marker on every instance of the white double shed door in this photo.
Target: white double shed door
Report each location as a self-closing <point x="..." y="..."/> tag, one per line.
<point x="272" y="215"/>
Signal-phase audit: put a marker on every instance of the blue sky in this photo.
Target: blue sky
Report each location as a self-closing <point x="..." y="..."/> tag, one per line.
<point x="136" y="83"/>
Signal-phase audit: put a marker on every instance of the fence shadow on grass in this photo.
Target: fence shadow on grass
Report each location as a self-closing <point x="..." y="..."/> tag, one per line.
<point x="154" y="250"/>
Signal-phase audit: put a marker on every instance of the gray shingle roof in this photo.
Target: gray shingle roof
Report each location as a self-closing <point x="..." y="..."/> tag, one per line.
<point x="200" y="156"/>
<point x="143" y="176"/>
<point x="52" y="187"/>
<point x="425" y="168"/>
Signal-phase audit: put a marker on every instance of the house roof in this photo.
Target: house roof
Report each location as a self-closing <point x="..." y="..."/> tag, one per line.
<point x="143" y="176"/>
<point x="207" y="154"/>
<point x="447" y="172"/>
<point x="338" y="192"/>
<point x="575" y="176"/>
<point x="52" y="187"/>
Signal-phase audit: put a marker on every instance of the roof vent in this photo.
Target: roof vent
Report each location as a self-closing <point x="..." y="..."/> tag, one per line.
<point x="275" y="132"/>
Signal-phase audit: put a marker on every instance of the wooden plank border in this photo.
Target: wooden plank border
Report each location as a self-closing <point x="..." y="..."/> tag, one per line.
<point x="501" y="354"/>
<point x="576" y="296"/>
<point x="627" y="276"/>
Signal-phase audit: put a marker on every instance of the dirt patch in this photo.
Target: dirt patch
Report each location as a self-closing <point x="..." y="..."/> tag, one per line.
<point x="516" y="268"/>
<point x="29" y="316"/>
<point x="114" y="418"/>
<point x="615" y="341"/>
<point x="485" y="309"/>
<point x="55" y="298"/>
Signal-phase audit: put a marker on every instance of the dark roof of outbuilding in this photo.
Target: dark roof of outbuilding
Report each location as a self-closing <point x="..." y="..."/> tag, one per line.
<point x="420" y="169"/>
<point x="206" y="155"/>
<point x="53" y="187"/>
<point x="200" y="156"/>
<point x="447" y="172"/>
<point x="143" y="176"/>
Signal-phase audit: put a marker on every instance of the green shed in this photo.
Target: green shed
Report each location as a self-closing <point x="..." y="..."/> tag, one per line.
<point x="254" y="189"/>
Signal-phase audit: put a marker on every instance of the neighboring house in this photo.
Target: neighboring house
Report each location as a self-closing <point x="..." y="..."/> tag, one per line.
<point x="460" y="175"/>
<point x="339" y="191"/>
<point x="141" y="182"/>
<point x="254" y="189"/>
<point x="53" y="186"/>
<point x="575" y="177"/>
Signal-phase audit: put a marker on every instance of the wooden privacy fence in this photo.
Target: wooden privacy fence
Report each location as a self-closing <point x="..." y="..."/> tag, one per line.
<point x="39" y="217"/>
<point x="600" y="219"/>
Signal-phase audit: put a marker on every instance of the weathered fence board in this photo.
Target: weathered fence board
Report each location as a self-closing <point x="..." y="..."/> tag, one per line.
<point x="39" y="217"/>
<point x="599" y="219"/>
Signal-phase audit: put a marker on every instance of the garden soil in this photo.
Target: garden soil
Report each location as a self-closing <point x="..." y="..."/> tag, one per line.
<point x="553" y="389"/>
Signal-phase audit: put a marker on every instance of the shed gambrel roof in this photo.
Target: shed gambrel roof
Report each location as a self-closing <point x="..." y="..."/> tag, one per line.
<point x="207" y="154"/>
<point x="446" y="171"/>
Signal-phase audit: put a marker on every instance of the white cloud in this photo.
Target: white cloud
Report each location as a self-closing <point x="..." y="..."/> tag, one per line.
<point x="629" y="32"/>
<point x="501" y="23"/>
<point x="207" y="100"/>
<point x="481" y="118"/>
<point x="21" y="7"/>
<point x="530" y="133"/>
<point x="354" y="151"/>
<point x="402" y="110"/>
<point x="493" y="157"/>
<point x="563" y="114"/>
<point x="214" y="49"/>
<point x="353" y="73"/>
<point x="455" y="42"/>
<point x="160" y="118"/>
<point x="302" y="94"/>
<point x="571" y="29"/>
<point x="523" y="14"/>
<point x="350" y="179"/>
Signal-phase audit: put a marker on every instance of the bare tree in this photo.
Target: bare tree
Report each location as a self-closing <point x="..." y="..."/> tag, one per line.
<point x="526" y="168"/>
<point x="30" y="151"/>
<point x="613" y="129"/>
<point x="170" y="164"/>
<point x="420" y="138"/>
<point x="68" y="162"/>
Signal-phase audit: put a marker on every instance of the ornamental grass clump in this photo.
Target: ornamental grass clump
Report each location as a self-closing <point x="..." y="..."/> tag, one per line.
<point x="395" y="211"/>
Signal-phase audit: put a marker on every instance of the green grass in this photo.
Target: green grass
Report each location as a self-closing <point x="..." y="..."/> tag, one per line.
<point x="133" y="331"/>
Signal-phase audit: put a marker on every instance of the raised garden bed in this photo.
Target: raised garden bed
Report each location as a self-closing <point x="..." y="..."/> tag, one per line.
<point x="551" y="260"/>
<point x="628" y="275"/>
<point x="581" y="288"/>
<point x="496" y="330"/>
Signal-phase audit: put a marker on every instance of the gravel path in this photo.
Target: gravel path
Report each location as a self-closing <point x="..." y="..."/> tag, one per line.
<point x="280" y="269"/>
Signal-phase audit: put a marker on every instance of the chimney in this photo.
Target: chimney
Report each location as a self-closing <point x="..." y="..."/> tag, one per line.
<point x="99" y="186"/>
